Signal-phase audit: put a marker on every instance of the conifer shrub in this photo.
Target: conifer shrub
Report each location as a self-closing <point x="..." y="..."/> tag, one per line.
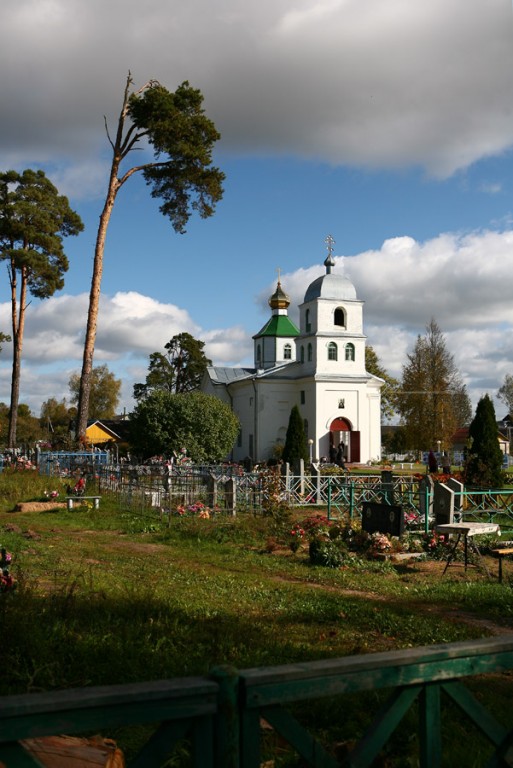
<point x="483" y="467"/>
<point x="295" y="441"/>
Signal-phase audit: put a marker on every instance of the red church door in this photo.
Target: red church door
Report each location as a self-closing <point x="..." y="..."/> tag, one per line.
<point x="350" y="438"/>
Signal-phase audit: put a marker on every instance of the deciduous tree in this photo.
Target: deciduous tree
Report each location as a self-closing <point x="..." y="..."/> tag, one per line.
<point x="181" y="175"/>
<point x="484" y="456"/>
<point x="433" y="400"/>
<point x="164" y="423"/>
<point x="104" y="395"/>
<point x="505" y="393"/>
<point x="56" y="419"/>
<point x="390" y="387"/>
<point x="34" y="219"/>
<point x="179" y="370"/>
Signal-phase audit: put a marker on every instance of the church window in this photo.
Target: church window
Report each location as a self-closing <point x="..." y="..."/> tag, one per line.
<point x="309" y="353"/>
<point x="302" y="354"/>
<point x="303" y="397"/>
<point x="340" y="317"/>
<point x="239" y="439"/>
<point x="349" y="351"/>
<point x="332" y="351"/>
<point x="308" y="324"/>
<point x="287" y="352"/>
<point x="259" y="356"/>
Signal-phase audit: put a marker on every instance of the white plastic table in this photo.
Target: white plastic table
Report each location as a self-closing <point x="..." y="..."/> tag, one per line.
<point x="469" y="531"/>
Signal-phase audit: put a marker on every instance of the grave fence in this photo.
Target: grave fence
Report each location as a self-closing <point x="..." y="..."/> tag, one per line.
<point x="158" y="490"/>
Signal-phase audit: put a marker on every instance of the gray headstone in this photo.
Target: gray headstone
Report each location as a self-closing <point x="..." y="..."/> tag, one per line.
<point x="458" y="489"/>
<point x="426" y="485"/>
<point x="443" y="504"/>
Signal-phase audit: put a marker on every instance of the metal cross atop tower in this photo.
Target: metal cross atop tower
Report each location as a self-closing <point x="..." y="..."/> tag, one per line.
<point x="329" y="261"/>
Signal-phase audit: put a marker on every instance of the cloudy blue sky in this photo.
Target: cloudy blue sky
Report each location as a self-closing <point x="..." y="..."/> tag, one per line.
<point x="388" y="125"/>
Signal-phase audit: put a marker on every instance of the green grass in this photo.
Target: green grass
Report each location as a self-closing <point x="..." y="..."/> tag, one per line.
<point x="105" y="596"/>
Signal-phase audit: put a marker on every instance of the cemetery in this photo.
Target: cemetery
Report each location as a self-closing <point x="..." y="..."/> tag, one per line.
<point x="360" y="537"/>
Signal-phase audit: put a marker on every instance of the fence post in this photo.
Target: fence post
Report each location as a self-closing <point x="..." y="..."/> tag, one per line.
<point x="230" y="495"/>
<point x="351" y="499"/>
<point x="211" y="491"/>
<point x="329" y="497"/>
<point x="226" y="737"/>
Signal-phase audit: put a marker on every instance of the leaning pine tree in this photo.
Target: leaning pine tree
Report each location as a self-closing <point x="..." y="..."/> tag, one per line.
<point x="295" y="441"/>
<point x="174" y="127"/>
<point x="484" y="459"/>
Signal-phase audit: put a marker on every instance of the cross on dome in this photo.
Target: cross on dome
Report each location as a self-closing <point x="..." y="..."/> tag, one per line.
<point x="329" y="261"/>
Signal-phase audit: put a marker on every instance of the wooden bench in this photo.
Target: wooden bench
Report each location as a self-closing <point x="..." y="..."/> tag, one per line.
<point x="501" y="553"/>
<point x="71" y="499"/>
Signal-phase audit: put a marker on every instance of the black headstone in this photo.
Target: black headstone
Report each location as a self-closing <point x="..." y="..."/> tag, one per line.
<point x="382" y="518"/>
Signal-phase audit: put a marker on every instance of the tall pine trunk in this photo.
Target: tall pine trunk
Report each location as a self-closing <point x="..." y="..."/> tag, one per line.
<point x="18" y="327"/>
<point x="94" y="303"/>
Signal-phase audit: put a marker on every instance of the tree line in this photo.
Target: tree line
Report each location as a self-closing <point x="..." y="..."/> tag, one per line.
<point x="35" y="219"/>
<point x="431" y="400"/>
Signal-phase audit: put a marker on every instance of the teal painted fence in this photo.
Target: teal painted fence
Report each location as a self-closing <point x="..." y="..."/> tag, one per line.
<point x="222" y="715"/>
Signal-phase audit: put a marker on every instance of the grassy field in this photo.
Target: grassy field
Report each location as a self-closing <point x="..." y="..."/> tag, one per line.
<point x="104" y="596"/>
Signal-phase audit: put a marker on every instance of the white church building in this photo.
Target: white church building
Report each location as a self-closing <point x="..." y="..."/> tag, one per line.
<point x="320" y="367"/>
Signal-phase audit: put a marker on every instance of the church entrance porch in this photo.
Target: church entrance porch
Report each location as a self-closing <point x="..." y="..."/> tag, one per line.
<point x="342" y="433"/>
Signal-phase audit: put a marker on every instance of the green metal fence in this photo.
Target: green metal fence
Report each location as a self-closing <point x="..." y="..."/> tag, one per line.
<point x="221" y="716"/>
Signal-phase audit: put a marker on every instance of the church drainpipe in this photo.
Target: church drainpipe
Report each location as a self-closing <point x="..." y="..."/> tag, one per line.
<point x="255" y="419"/>
<point x="231" y="406"/>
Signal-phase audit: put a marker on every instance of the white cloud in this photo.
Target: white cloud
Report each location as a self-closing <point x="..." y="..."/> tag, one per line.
<point x="370" y="83"/>
<point x="452" y="278"/>
<point x="130" y="327"/>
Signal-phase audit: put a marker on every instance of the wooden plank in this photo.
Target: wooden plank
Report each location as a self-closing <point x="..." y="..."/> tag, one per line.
<point x="402" y="657"/>
<point x="481" y="717"/>
<point x="203" y="742"/>
<point x="409" y="666"/>
<point x="383" y="725"/>
<point x="160" y="744"/>
<point x="430" y="734"/>
<point x="250" y="756"/>
<point x="90" y="709"/>
<point x="299" y="738"/>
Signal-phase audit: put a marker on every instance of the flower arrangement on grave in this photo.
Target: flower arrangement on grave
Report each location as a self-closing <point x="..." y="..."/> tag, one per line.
<point x="181" y="458"/>
<point x="7" y="583"/>
<point x="436" y="545"/>
<point x="198" y="509"/>
<point x="379" y="544"/>
<point x="297" y="535"/>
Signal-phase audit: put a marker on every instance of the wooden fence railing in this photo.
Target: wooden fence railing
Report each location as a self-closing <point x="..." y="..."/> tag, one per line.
<point x="222" y="715"/>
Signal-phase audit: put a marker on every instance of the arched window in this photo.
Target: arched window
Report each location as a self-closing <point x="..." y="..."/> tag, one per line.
<point x="302" y="354"/>
<point x="309" y="353"/>
<point x="259" y="356"/>
<point x="349" y="351"/>
<point x="340" y="317"/>
<point x="287" y="352"/>
<point x="332" y="351"/>
<point x="308" y="324"/>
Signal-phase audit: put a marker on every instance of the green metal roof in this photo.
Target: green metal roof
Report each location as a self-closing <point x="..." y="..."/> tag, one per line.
<point x="278" y="325"/>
